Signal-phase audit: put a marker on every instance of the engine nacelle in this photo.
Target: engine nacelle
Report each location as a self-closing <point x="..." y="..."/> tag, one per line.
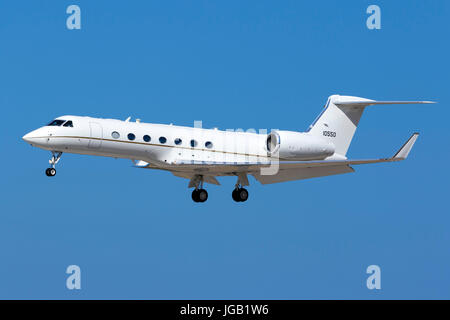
<point x="298" y="146"/>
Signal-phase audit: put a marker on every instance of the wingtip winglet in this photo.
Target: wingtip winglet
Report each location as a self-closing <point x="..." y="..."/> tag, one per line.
<point x="404" y="151"/>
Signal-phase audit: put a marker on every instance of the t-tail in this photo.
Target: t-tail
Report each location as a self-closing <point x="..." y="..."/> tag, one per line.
<point x="340" y="117"/>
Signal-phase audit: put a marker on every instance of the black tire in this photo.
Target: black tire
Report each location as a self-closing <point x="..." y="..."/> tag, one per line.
<point x="47" y="173"/>
<point x="235" y="195"/>
<point x="52" y="172"/>
<point x="243" y="194"/>
<point x="202" y="195"/>
<point x="195" y="195"/>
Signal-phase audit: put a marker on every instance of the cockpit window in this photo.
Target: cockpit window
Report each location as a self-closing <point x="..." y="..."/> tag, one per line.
<point x="56" y="123"/>
<point x="68" y="124"/>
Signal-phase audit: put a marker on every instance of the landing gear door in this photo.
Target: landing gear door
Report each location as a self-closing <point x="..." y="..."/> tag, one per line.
<point x="95" y="142"/>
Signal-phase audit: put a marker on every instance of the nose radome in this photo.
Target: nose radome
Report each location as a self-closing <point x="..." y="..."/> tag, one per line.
<point x="33" y="136"/>
<point x="37" y="138"/>
<point x="27" y="137"/>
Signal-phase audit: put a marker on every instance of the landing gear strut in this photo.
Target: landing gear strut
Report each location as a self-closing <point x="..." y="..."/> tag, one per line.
<point x="56" y="156"/>
<point x="199" y="194"/>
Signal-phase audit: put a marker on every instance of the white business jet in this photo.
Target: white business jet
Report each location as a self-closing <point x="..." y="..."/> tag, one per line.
<point x="201" y="155"/>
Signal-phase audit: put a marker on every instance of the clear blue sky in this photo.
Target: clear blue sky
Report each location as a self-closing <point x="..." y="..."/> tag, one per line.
<point x="231" y="64"/>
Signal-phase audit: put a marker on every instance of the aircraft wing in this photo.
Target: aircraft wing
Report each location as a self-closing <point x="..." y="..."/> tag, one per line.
<point x="311" y="169"/>
<point x="286" y="171"/>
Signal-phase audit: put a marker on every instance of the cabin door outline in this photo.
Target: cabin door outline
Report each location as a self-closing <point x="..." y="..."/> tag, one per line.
<point x="96" y="130"/>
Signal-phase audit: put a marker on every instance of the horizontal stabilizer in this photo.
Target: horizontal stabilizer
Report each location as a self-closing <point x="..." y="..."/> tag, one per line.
<point x="367" y="102"/>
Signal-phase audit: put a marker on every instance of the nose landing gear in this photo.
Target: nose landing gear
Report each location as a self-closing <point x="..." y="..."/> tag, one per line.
<point x="50" y="172"/>
<point x="56" y="156"/>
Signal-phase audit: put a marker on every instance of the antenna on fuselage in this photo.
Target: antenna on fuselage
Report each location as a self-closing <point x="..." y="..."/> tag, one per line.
<point x="128" y="119"/>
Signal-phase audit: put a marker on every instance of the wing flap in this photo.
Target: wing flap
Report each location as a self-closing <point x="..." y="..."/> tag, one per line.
<point x="302" y="173"/>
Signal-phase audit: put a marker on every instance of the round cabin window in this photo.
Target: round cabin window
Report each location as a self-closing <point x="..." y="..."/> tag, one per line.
<point x="115" y="135"/>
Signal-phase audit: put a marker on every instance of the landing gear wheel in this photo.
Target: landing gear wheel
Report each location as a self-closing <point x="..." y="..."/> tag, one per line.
<point x="243" y="194"/>
<point x="199" y="195"/>
<point x="240" y="194"/>
<point x="235" y="195"/>
<point x="50" y="172"/>
<point x="202" y="195"/>
<point x="195" y="195"/>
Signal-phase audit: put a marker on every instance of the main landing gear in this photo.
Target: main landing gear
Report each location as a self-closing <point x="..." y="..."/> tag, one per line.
<point x="199" y="194"/>
<point x="51" y="172"/>
<point x="240" y="194"/>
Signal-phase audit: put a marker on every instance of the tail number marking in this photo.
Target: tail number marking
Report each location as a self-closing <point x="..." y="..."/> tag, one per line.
<point x="331" y="134"/>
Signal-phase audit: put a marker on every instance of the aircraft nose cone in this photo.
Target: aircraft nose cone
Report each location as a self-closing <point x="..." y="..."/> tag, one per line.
<point x="27" y="137"/>
<point x="36" y="138"/>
